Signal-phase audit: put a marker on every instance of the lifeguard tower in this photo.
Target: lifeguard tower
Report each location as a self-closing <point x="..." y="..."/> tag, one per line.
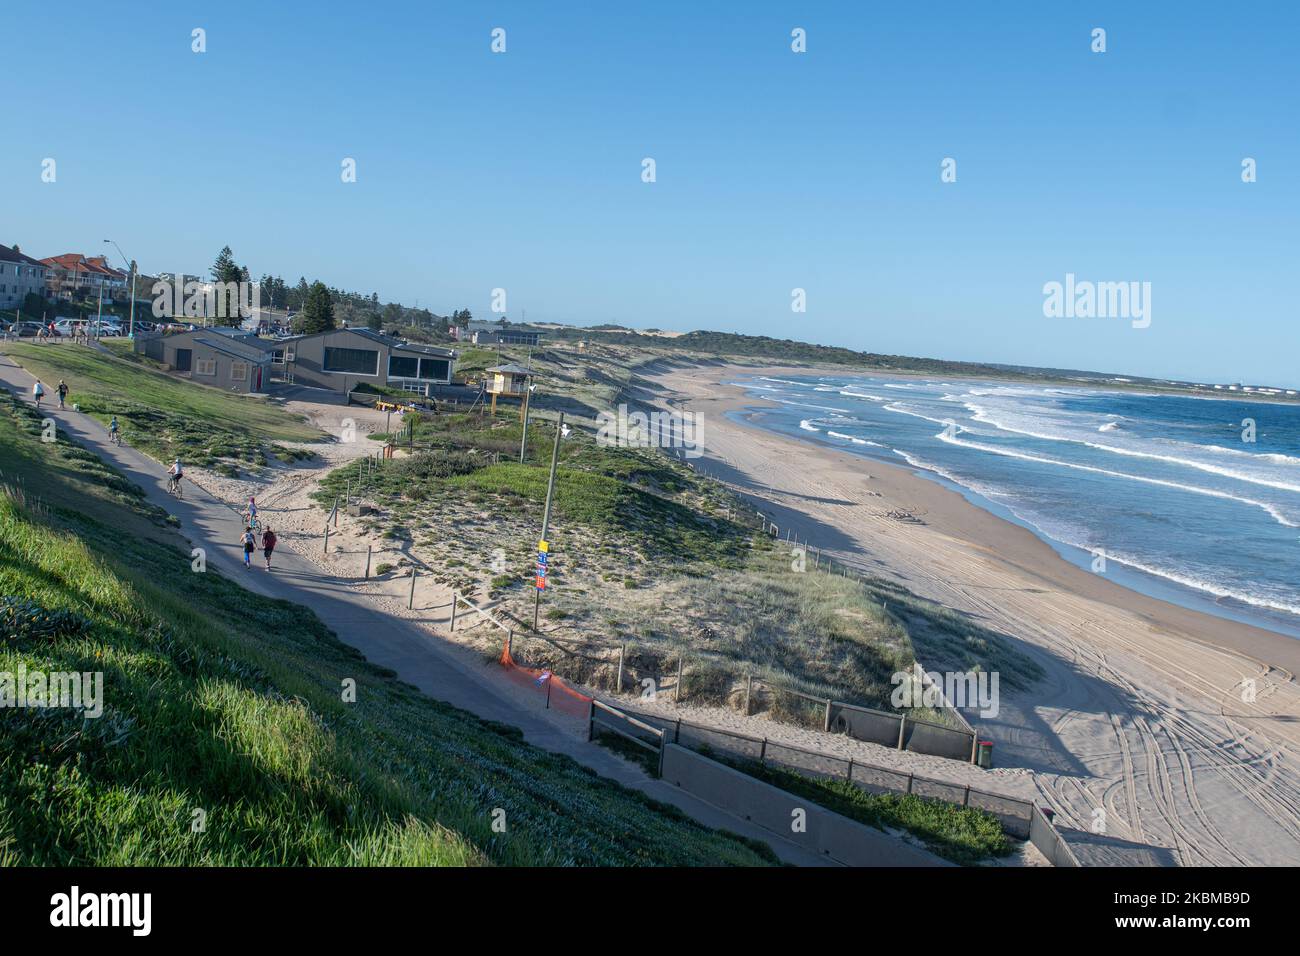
<point x="513" y="380"/>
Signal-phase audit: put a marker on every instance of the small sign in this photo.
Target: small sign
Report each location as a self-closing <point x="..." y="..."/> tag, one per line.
<point x="541" y="558"/>
<point x="543" y="546"/>
<point x="541" y="582"/>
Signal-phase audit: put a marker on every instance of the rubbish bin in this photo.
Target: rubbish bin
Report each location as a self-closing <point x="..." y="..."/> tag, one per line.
<point x="985" y="756"/>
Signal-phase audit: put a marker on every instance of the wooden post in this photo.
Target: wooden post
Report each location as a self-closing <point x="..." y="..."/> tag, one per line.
<point x="749" y="687"/>
<point x="591" y="719"/>
<point x="902" y="722"/>
<point x="510" y="647"/>
<point x="762" y="753"/>
<point x="455" y="599"/>
<point x="848" y="775"/>
<point x="410" y="601"/>
<point x="974" y="747"/>
<point x="618" y="686"/>
<point x="327" y="538"/>
<point x="677" y="690"/>
<point x="549" y="681"/>
<point x="826" y="724"/>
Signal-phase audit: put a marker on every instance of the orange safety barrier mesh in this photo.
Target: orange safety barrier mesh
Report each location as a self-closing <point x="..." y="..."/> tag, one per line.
<point x="559" y="695"/>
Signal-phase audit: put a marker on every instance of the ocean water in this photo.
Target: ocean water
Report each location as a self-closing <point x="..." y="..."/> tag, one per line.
<point x="1165" y="486"/>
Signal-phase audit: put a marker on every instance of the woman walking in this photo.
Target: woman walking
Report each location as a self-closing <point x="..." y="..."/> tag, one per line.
<point x="249" y="545"/>
<point x="268" y="545"/>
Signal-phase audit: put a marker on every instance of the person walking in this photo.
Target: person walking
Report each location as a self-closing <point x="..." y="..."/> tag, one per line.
<point x="268" y="545"/>
<point x="249" y="544"/>
<point x="38" y="392"/>
<point x="62" y="390"/>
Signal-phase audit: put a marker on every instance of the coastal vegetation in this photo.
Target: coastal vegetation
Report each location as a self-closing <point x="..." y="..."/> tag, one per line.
<point x="225" y="738"/>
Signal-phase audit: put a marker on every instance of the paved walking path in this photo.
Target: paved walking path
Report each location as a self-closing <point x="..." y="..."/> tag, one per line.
<point x="417" y="655"/>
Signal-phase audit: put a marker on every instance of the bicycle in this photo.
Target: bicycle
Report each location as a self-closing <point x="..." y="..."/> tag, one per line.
<point x="115" y="438"/>
<point x="174" y="486"/>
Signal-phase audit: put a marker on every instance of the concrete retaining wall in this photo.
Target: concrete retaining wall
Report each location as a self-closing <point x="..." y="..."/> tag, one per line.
<point x="836" y="836"/>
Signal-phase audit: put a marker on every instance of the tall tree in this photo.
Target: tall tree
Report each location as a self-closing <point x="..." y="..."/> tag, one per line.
<point x="225" y="269"/>
<point x="317" y="313"/>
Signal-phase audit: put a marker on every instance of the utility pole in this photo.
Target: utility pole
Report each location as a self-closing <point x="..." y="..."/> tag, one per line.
<point x="523" y="442"/>
<point x="543" y="545"/>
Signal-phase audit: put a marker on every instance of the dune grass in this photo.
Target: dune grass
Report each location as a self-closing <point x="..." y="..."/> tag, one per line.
<point x="160" y="414"/>
<point x="226" y="738"/>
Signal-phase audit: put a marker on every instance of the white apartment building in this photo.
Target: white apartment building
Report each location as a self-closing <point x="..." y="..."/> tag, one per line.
<point x="20" y="275"/>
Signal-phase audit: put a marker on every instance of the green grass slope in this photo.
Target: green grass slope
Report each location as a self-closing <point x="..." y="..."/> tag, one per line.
<point x="161" y="415"/>
<point x="225" y="738"/>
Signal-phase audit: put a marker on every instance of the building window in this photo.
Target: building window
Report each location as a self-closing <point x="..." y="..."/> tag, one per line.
<point x="239" y="371"/>
<point x="434" y="369"/>
<point x="205" y="366"/>
<point x="351" y="361"/>
<point x="403" y="367"/>
<point x="426" y="369"/>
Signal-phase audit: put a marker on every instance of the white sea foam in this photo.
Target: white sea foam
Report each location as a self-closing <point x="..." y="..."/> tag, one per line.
<point x="849" y="393"/>
<point x="1272" y="510"/>
<point x="820" y="408"/>
<point x="983" y="416"/>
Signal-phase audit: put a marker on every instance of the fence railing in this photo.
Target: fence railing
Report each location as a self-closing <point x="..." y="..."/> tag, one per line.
<point x="629" y="728"/>
<point x="1019" y="818"/>
<point x="889" y="729"/>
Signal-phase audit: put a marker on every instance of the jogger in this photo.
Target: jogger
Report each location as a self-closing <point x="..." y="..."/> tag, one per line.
<point x="268" y="545"/>
<point x="249" y="544"/>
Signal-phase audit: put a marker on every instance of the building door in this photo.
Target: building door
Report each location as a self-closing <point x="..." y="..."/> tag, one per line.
<point x="183" y="359"/>
<point x="257" y="386"/>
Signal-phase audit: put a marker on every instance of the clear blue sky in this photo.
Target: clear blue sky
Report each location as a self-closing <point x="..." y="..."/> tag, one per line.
<point x="775" y="170"/>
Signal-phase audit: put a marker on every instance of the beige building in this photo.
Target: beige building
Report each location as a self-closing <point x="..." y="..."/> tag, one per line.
<point x="20" y="276"/>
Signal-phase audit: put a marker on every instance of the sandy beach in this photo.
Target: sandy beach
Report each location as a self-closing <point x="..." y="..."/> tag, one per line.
<point x="1143" y="735"/>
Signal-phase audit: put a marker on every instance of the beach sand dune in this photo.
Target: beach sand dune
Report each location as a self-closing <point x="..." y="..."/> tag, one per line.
<point x="1142" y="734"/>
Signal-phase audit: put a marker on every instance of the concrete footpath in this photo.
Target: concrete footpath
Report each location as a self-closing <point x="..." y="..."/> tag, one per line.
<point x="415" y="653"/>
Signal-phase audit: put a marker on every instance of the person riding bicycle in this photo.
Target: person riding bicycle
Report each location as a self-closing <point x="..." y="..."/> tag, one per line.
<point x="113" y="429"/>
<point x="177" y="473"/>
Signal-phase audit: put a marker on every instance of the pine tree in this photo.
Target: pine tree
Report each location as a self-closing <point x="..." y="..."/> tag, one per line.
<point x="317" y="311"/>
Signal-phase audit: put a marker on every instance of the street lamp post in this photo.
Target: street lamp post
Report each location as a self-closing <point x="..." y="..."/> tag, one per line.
<point x="130" y="265"/>
<point x="546" y="515"/>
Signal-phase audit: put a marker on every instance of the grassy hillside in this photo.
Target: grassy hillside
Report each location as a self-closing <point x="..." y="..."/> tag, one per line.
<point x="162" y="415"/>
<point x="220" y="701"/>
